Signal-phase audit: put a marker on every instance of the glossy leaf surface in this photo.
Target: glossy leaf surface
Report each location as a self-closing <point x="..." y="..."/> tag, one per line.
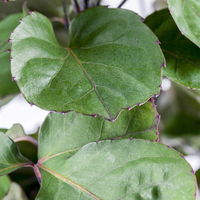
<point x="182" y="56"/>
<point x="118" y="169"/>
<point x="107" y="169"/>
<point x="77" y="130"/>
<point x="108" y="65"/>
<point x="10" y="157"/>
<point x="186" y="16"/>
<point x="7" y="25"/>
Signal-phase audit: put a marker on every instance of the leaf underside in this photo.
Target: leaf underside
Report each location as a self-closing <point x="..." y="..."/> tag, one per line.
<point x="186" y="16"/>
<point x="182" y="56"/>
<point x="108" y="65"/>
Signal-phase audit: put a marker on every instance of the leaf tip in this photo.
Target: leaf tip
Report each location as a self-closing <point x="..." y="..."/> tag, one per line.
<point x="158" y="42"/>
<point x="163" y="64"/>
<point x="141" y="19"/>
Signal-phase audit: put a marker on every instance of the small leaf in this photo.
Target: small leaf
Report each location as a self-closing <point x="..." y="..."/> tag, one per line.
<point x="182" y="56"/>
<point x="77" y="130"/>
<point x="111" y="170"/>
<point x="109" y="64"/>
<point x="27" y="144"/>
<point x="16" y="131"/>
<point x="4" y="185"/>
<point x="7" y="25"/>
<point x="10" y="157"/>
<point x="186" y="16"/>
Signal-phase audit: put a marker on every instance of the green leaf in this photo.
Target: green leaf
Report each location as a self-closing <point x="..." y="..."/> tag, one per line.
<point x="27" y="144"/>
<point x="10" y="157"/>
<point x="77" y="130"/>
<point x="180" y="114"/>
<point x="119" y="169"/>
<point x="7" y="25"/>
<point x="16" y="131"/>
<point x="186" y="16"/>
<point x="182" y="56"/>
<point x="110" y="63"/>
<point x="4" y="185"/>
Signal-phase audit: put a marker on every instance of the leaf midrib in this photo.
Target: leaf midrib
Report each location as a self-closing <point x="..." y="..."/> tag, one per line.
<point x="71" y="52"/>
<point x="68" y="181"/>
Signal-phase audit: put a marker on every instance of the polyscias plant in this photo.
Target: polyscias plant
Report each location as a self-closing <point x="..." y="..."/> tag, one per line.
<point x="101" y="141"/>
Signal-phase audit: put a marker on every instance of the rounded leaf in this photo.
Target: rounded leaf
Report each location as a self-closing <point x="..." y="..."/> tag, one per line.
<point x="120" y="169"/>
<point x="186" y="16"/>
<point x="112" y="62"/>
<point x="182" y="56"/>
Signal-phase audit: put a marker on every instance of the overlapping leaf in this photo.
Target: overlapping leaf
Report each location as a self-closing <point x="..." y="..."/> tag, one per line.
<point x="119" y="169"/>
<point x="186" y="16"/>
<point x="77" y="130"/>
<point x="182" y="56"/>
<point x="10" y="157"/>
<point x="7" y="87"/>
<point x="107" y="169"/>
<point x="110" y="63"/>
<point x="71" y="168"/>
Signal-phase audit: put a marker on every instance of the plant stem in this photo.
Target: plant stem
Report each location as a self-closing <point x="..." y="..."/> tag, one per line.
<point x="86" y="4"/>
<point x="122" y="3"/>
<point x="37" y="173"/>
<point x="98" y="2"/>
<point x="65" y="14"/>
<point x="77" y="6"/>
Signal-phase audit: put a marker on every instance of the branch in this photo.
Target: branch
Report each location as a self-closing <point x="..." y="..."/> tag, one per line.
<point x="98" y="2"/>
<point x="122" y="3"/>
<point x="77" y="6"/>
<point x="65" y="14"/>
<point x="86" y="2"/>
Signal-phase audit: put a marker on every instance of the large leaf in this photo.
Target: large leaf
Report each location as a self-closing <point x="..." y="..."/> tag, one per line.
<point x="4" y="185"/>
<point x="77" y="130"/>
<point x="186" y="16"/>
<point x="10" y="157"/>
<point x="182" y="56"/>
<point x="108" y="169"/>
<point x="110" y="63"/>
<point x="119" y="169"/>
<point x="7" y="86"/>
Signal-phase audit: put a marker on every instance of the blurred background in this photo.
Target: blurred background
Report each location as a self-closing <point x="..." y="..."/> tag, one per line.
<point x="179" y="106"/>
